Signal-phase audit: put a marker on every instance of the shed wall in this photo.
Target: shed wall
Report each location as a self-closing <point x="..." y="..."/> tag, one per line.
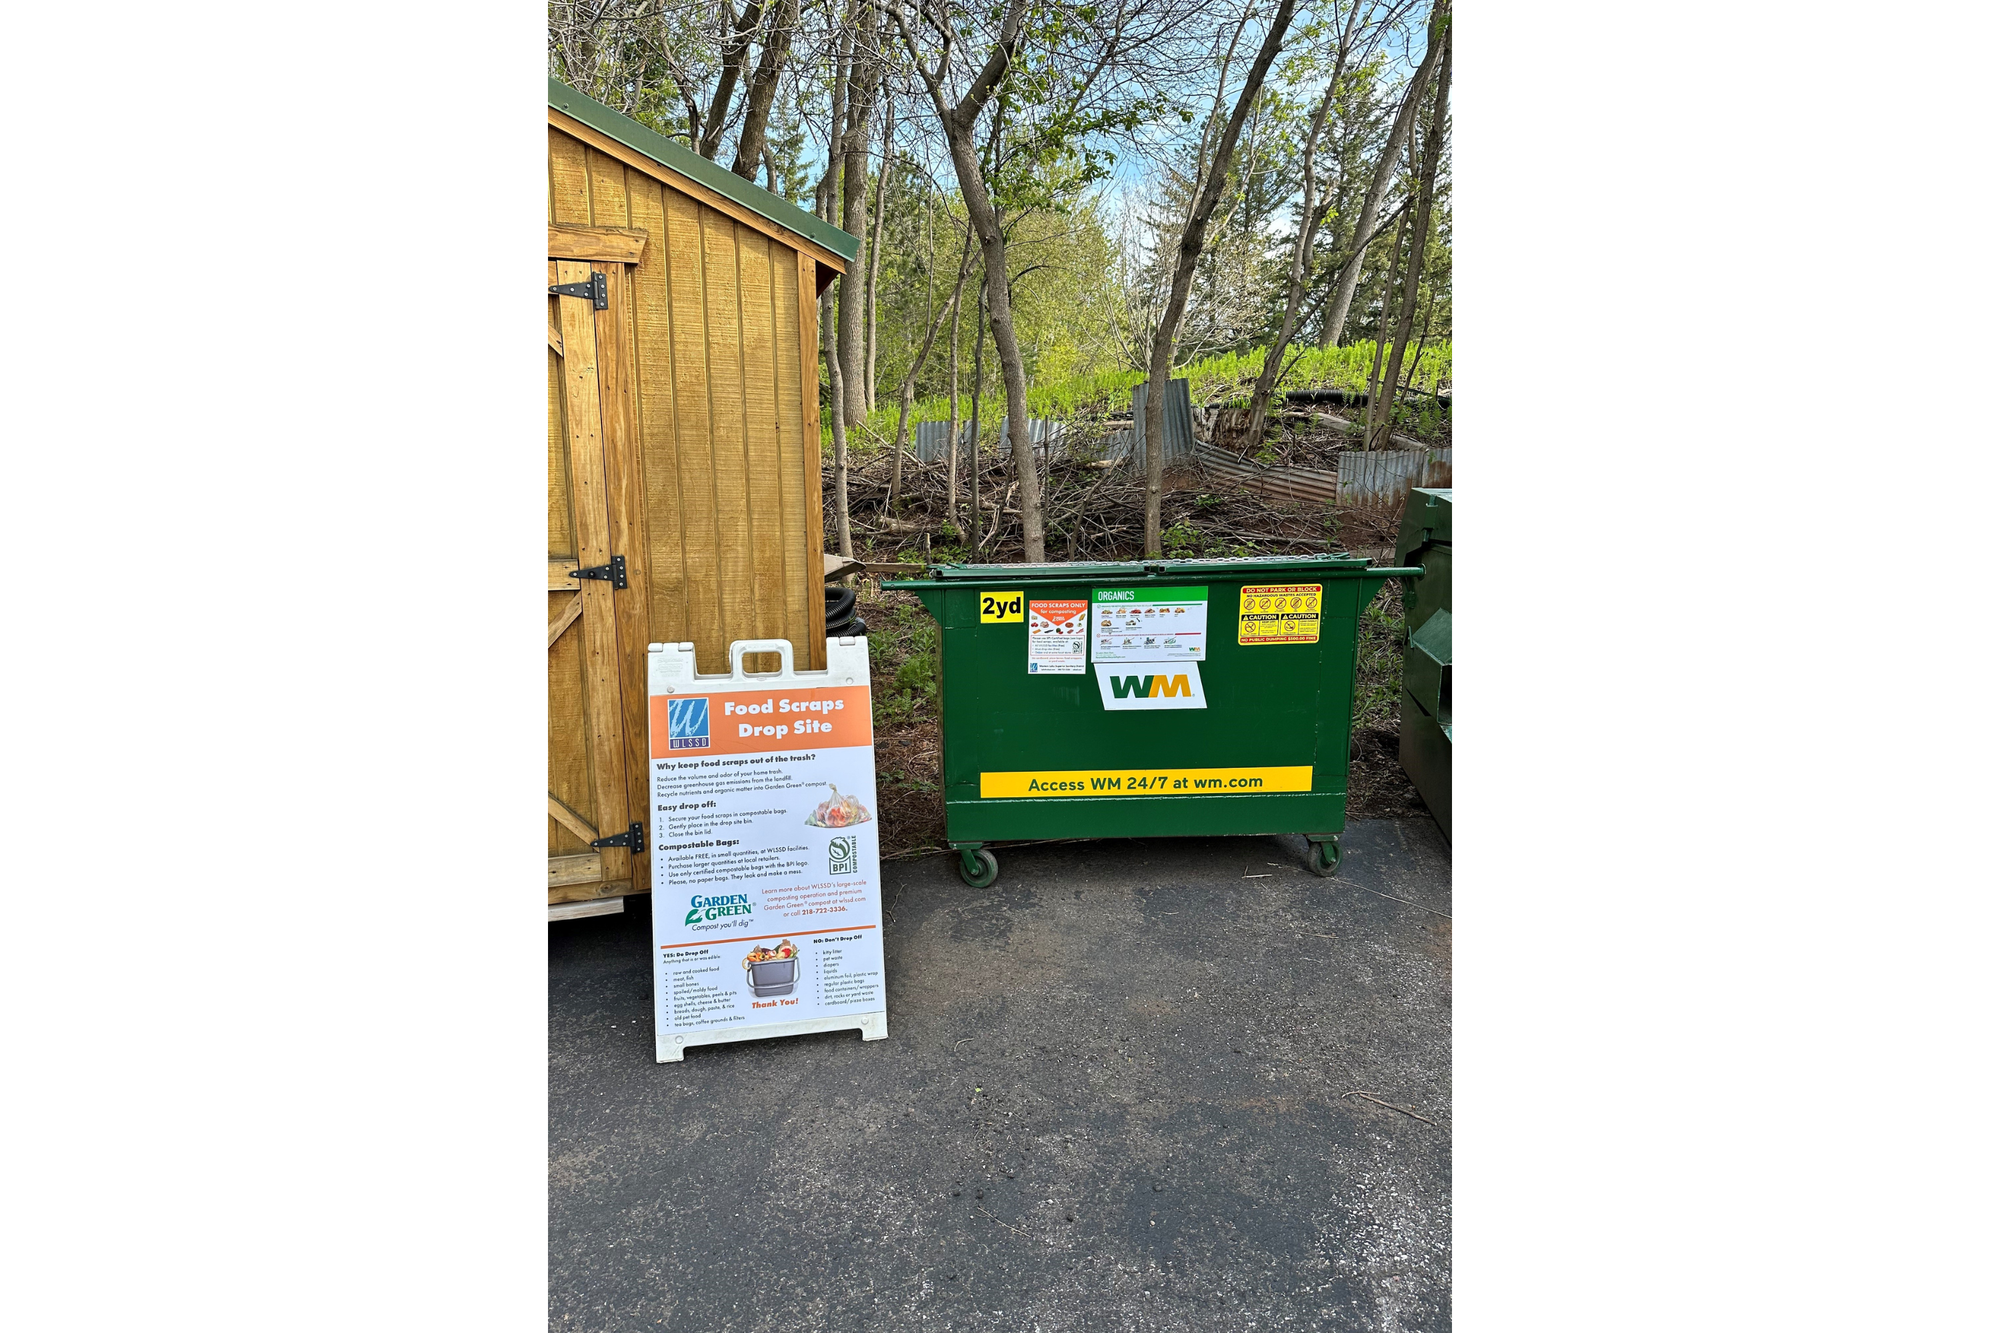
<point x="729" y="529"/>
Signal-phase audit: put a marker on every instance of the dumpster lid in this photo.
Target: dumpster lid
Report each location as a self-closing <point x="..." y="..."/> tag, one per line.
<point x="1426" y="522"/>
<point x="1253" y="566"/>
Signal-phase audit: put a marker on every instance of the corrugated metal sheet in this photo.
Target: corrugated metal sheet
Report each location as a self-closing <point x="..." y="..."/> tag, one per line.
<point x="1179" y="421"/>
<point x="1380" y="479"/>
<point x="1045" y="435"/>
<point x="1376" y="480"/>
<point x="931" y="436"/>
<point x="1285" y="483"/>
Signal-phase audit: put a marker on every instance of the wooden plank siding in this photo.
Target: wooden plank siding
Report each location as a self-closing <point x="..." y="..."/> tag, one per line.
<point x="706" y="362"/>
<point x="569" y="760"/>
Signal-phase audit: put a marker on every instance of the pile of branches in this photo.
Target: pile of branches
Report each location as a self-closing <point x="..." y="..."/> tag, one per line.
<point x="1090" y="511"/>
<point x="1315" y="437"/>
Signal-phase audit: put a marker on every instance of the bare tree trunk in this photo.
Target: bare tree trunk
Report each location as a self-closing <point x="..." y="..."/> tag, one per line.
<point x="1311" y="212"/>
<point x="861" y="85"/>
<point x="735" y="45"/>
<point x="843" y="530"/>
<point x="1382" y="333"/>
<point x="1190" y="253"/>
<point x="750" y="146"/>
<point x="1000" y="318"/>
<point x="1420" y="226"/>
<point x="959" y="121"/>
<point x="978" y="388"/>
<point x="951" y="467"/>
<point x="1385" y="170"/>
<point x="1417" y="357"/>
<point x="829" y="184"/>
<point x="916" y="366"/>
<point x="875" y="248"/>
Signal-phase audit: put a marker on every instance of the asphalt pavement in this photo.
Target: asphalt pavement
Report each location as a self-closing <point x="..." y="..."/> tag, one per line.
<point x="1150" y="1085"/>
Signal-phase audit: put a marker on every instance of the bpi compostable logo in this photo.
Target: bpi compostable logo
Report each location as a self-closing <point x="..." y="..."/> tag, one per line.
<point x="843" y="856"/>
<point x="687" y="724"/>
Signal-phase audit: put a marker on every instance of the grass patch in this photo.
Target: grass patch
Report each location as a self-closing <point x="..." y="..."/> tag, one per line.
<point x="1212" y="381"/>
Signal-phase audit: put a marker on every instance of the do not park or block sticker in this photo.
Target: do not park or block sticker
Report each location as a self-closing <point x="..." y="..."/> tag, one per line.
<point x="1278" y="613"/>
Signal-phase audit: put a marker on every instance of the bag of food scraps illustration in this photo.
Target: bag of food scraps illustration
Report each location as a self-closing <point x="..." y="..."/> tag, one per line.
<point x="837" y="811"/>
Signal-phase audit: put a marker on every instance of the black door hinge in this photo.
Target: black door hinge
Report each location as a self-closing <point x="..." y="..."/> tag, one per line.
<point x="614" y="572"/>
<point x="633" y="839"/>
<point x="593" y="291"/>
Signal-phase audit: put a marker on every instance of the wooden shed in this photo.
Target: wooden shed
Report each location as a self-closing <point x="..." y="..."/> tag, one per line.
<point x="684" y="447"/>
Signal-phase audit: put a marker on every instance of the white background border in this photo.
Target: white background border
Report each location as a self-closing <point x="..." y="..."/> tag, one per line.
<point x="1725" y="930"/>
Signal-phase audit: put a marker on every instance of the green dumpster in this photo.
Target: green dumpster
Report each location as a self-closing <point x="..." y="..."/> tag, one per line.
<point x="1424" y="746"/>
<point x="1142" y="699"/>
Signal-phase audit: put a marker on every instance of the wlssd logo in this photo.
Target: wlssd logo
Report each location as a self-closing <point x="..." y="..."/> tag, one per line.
<point x="687" y="724"/>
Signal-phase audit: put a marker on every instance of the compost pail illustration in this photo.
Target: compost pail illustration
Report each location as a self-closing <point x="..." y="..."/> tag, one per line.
<point x="772" y="971"/>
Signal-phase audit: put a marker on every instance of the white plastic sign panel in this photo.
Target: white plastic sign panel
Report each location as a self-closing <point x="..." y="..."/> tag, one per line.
<point x="767" y="888"/>
<point x="1149" y="624"/>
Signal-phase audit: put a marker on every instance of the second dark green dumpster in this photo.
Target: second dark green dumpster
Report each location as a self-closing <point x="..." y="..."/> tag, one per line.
<point x="1425" y="745"/>
<point x="1146" y="699"/>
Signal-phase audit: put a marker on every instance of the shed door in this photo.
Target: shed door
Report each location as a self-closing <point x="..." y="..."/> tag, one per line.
<point x="589" y="796"/>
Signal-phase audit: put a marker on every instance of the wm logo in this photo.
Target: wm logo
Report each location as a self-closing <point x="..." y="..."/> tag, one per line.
<point x="1150" y="687"/>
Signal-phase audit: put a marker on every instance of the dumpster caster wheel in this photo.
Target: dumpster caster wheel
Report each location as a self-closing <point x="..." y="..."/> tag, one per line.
<point x="978" y="867"/>
<point x="1325" y="859"/>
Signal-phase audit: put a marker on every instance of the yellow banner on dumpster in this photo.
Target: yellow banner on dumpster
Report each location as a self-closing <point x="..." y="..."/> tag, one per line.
<point x="1145" y="782"/>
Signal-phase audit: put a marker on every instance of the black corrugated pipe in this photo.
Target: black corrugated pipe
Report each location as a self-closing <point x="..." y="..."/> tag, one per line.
<point x="1352" y="398"/>
<point x="841" y="620"/>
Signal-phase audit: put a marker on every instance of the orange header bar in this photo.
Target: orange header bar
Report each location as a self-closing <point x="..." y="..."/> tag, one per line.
<point x="689" y="726"/>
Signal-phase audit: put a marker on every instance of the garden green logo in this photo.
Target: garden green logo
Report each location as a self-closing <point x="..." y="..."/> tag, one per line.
<point x="717" y="906"/>
<point x="843" y="856"/>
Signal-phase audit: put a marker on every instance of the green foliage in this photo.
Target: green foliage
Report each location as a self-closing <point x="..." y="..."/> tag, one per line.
<point x="918" y="676"/>
<point x="1378" y="664"/>
<point x="902" y="644"/>
<point x="1181" y="539"/>
<point x="1217" y="381"/>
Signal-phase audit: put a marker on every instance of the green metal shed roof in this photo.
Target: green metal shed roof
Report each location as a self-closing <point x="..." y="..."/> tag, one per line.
<point x="696" y="167"/>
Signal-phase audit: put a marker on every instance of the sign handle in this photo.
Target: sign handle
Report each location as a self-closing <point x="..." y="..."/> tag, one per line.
<point x="782" y="647"/>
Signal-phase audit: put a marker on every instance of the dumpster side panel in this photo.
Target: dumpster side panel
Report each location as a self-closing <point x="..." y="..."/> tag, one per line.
<point x="1269" y="707"/>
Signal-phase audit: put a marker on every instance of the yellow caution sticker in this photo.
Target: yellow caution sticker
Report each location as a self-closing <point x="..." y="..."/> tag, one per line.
<point x="1000" y="608"/>
<point x="1278" y="613"/>
<point x="1145" y="782"/>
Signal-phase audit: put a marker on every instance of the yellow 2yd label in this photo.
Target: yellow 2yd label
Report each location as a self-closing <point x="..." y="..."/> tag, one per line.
<point x="1145" y="782"/>
<point x="999" y="608"/>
